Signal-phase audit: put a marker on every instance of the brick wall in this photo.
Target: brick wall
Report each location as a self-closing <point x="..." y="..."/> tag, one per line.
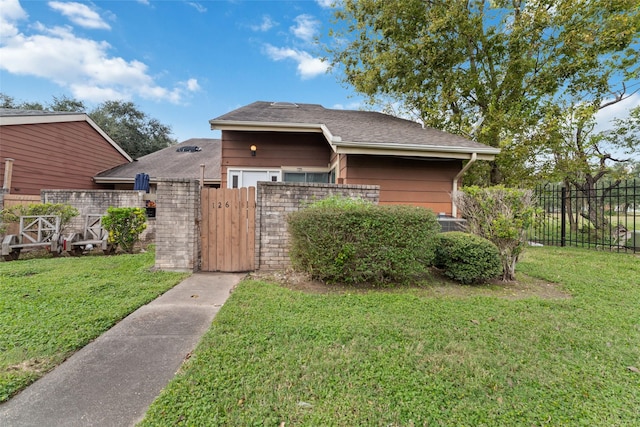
<point x="178" y="225"/>
<point x="277" y="199"/>
<point x="97" y="202"/>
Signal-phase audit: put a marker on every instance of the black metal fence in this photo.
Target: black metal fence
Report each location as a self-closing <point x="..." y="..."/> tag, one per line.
<point x="601" y="216"/>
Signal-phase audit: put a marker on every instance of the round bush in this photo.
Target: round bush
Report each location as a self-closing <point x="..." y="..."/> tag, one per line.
<point x="353" y="242"/>
<point x="467" y="258"/>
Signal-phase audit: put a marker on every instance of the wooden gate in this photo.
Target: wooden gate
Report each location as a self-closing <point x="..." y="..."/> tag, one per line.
<point x="228" y="229"/>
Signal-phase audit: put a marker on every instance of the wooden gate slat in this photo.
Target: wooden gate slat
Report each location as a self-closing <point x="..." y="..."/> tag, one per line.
<point x="204" y="229"/>
<point x="213" y="230"/>
<point x="220" y="230"/>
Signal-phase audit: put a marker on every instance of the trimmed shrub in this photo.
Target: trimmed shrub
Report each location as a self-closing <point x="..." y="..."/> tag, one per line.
<point x="124" y="226"/>
<point x="467" y="258"/>
<point x="353" y="241"/>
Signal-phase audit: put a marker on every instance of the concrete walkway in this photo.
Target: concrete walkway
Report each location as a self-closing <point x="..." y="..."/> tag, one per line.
<point x="113" y="380"/>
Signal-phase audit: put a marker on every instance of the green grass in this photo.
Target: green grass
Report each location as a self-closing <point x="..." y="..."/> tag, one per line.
<point x="50" y="308"/>
<point x="403" y="358"/>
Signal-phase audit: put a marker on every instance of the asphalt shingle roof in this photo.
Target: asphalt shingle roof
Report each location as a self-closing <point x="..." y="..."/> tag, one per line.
<point x="171" y="163"/>
<point x="351" y="126"/>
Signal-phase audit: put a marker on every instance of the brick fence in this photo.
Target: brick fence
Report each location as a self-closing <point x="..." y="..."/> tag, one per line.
<point x="178" y="225"/>
<point x="276" y="200"/>
<point x="97" y="202"/>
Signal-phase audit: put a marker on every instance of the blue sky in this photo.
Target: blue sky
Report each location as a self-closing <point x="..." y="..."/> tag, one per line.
<point x="182" y="62"/>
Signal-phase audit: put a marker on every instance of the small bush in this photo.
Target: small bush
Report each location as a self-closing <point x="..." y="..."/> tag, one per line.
<point x="502" y="215"/>
<point x="467" y="258"/>
<point x="12" y="214"/>
<point x="353" y="241"/>
<point x="124" y="226"/>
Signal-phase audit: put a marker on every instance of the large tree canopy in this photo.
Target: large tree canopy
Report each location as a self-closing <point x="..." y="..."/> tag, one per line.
<point x="131" y="128"/>
<point x="485" y="69"/>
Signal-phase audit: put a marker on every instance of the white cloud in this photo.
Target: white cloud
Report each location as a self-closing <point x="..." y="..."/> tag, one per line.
<point x="326" y="4"/>
<point x="197" y="6"/>
<point x="192" y="85"/>
<point x="350" y="106"/>
<point x="266" y="24"/>
<point x="620" y="110"/>
<point x="83" y="65"/>
<point x="11" y="12"/>
<point x="308" y="66"/>
<point x="306" y="28"/>
<point x="80" y="14"/>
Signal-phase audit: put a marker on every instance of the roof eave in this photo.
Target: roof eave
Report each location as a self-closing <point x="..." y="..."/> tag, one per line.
<point x="127" y="180"/>
<point x="264" y="126"/>
<point x="449" y="152"/>
<point x="32" y="119"/>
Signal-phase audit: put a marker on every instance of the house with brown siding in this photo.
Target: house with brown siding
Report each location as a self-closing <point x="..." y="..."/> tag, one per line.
<point x="412" y="164"/>
<point x="53" y="150"/>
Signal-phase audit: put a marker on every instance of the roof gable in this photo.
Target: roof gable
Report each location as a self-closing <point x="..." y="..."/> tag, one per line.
<point x="13" y="117"/>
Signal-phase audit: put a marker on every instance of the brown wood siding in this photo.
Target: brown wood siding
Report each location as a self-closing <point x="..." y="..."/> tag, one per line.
<point x="419" y="182"/>
<point x="274" y="150"/>
<point x="55" y="156"/>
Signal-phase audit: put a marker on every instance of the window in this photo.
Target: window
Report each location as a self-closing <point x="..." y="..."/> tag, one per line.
<point x="319" y="177"/>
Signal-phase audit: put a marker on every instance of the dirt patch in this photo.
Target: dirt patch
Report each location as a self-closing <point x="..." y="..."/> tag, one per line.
<point x="33" y="365"/>
<point x="437" y="285"/>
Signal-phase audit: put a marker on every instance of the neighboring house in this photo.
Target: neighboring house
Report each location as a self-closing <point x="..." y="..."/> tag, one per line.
<point x="273" y="141"/>
<point x="183" y="160"/>
<point x="53" y="150"/>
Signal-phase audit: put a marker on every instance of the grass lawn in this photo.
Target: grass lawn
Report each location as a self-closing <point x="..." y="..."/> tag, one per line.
<point x="50" y="308"/>
<point x="281" y="357"/>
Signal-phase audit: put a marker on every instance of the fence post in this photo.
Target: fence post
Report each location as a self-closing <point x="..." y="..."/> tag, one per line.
<point x="563" y="216"/>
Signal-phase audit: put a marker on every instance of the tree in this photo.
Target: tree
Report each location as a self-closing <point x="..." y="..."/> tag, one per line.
<point x="61" y="103"/>
<point x="7" y="101"/>
<point x="574" y="153"/>
<point x="132" y="129"/>
<point x="483" y="69"/>
<point x="64" y="103"/>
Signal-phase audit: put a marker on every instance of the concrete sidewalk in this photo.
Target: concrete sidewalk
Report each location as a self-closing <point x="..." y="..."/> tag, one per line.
<point x="113" y="380"/>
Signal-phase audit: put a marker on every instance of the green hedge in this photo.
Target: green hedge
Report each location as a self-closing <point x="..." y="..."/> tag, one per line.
<point x="467" y="258"/>
<point x="347" y="241"/>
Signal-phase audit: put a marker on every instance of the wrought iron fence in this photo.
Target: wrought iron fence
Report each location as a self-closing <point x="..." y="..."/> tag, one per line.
<point x="601" y="216"/>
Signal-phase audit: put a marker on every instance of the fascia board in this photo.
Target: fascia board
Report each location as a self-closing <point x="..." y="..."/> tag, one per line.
<point x="488" y="153"/>
<point x="153" y="180"/>
<point x="44" y="118"/>
<point x="265" y="126"/>
<point x="108" y="138"/>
